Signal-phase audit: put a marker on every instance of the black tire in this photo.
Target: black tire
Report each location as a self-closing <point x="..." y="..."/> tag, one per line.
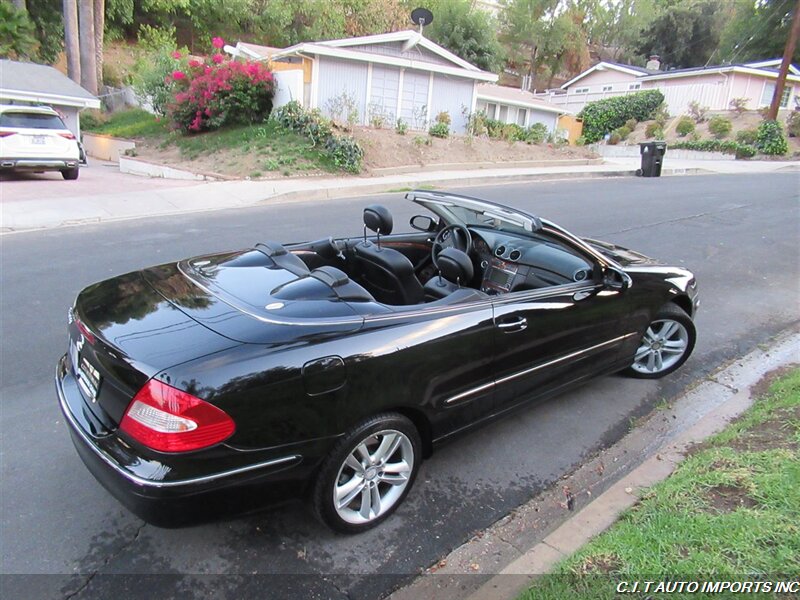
<point x="669" y="312"/>
<point x="333" y="470"/>
<point x="70" y="174"/>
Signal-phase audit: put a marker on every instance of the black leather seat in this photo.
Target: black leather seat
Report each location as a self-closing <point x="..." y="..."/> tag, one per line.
<point x="386" y="273"/>
<point x="455" y="271"/>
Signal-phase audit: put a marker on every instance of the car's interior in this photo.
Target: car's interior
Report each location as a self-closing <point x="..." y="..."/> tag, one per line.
<point x="444" y="264"/>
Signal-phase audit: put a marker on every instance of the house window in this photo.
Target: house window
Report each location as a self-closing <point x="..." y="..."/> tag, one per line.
<point x="522" y="116"/>
<point x="583" y="90"/>
<point x="608" y="88"/>
<point x="491" y="110"/>
<point x="503" y="116"/>
<point x="769" y="89"/>
<point x="634" y="86"/>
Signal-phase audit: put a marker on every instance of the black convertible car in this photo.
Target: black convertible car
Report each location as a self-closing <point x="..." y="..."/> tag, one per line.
<point x="330" y="369"/>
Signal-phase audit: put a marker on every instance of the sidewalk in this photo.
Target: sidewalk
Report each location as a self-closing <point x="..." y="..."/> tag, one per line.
<point x="501" y="562"/>
<point x="21" y="214"/>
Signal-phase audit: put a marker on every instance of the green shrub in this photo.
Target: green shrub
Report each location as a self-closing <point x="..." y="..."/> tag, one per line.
<point x="793" y="124"/>
<point x="494" y="128"/>
<point x="631" y="124"/>
<point x="614" y="138"/>
<point x="719" y="126"/>
<point x="581" y="141"/>
<point x="747" y="136"/>
<point x="513" y="133"/>
<point x="654" y="130"/>
<point x="724" y="146"/>
<point x="344" y="151"/>
<point x="439" y="130"/>
<point x="697" y="112"/>
<point x="770" y="138"/>
<point x="661" y="115"/>
<point x="443" y="117"/>
<point x="401" y="127"/>
<point x="603" y="116"/>
<point x="536" y="133"/>
<point x="685" y="126"/>
<point x="623" y="132"/>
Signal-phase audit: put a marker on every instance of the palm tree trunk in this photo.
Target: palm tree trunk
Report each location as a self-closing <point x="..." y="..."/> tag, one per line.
<point x="88" y="56"/>
<point x="71" y="40"/>
<point x="99" y="31"/>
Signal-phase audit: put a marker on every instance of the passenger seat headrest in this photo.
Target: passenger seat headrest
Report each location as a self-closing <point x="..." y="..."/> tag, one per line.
<point x="378" y="218"/>
<point x="455" y="266"/>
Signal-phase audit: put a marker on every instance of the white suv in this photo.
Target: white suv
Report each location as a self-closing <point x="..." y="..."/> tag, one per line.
<point x="34" y="138"/>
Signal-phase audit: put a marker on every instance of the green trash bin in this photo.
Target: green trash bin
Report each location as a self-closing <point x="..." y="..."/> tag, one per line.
<point x="652" y="158"/>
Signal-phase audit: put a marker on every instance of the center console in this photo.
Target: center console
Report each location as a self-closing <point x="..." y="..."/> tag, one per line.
<point x="498" y="276"/>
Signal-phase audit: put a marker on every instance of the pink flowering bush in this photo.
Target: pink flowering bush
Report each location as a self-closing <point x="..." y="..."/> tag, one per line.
<point x="223" y="92"/>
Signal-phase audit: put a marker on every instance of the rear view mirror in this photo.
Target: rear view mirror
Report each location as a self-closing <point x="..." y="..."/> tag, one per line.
<point x="616" y="280"/>
<point x="423" y="223"/>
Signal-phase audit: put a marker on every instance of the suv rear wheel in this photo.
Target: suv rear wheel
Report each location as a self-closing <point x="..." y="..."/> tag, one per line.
<point x="70" y="174"/>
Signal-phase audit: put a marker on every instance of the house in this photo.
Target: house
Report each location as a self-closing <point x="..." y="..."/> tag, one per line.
<point x="30" y="83"/>
<point x="386" y="77"/>
<point x="712" y="86"/>
<point x="512" y="105"/>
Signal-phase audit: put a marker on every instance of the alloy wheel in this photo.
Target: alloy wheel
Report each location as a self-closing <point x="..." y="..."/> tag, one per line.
<point x="373" y="477"/>
<point x="663" y="345"/>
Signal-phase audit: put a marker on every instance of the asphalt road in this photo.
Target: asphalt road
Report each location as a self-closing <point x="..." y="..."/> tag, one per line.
<point x="70" y="538"/>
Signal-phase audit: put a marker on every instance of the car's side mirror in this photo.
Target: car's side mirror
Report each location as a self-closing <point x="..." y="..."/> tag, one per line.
<point x="614" y="279"/>
<point x="423" y="223"/>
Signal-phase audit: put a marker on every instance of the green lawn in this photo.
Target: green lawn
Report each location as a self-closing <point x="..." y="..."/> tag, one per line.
<point x="730" y="512"/>
<point x="246" y="150"/>
<point x="132" y="123"/>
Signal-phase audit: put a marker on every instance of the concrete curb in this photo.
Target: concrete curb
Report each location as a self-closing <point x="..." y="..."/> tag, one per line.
<point x="536" y="536"/>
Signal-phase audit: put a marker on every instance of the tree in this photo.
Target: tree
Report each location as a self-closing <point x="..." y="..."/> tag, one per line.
<point x="99" y="34"/>
<point x="758" y="31"/>
<point x="685" y="34"/>
<point x="16" y="33"/>
<point x="87" y="45"/>
<point x="467" y="32"/>
<point x="71" y="43"/>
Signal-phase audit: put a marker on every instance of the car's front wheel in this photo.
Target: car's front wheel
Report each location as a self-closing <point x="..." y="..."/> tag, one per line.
<point x="70" y="174"/>
<point x="665" y="346"/>
<point x="368" y="474"/>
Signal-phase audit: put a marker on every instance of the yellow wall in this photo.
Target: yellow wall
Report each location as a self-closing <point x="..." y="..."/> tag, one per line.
<point x="305" y="66"/>
<point x="573" y="126"/>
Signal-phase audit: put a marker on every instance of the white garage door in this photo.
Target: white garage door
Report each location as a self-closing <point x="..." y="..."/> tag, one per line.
<point x="413" y="109"/>
<point x="383" y="93"/>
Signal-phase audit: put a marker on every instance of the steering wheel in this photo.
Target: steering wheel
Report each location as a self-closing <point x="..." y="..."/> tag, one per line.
<point x="452" y="236"/>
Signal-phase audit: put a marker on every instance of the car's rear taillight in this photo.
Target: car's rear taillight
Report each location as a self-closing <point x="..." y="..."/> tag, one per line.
<point x="6" y="133"/>
<point x="69" y="136"/>
<point x="167" y="419"/>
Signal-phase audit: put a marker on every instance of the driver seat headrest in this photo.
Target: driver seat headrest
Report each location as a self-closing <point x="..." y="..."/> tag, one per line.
<point x="455" y="265"/>
<point x="377" y="218"/>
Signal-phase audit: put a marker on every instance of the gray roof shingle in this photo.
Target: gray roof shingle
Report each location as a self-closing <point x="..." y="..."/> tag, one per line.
<point x="34" y="78"/>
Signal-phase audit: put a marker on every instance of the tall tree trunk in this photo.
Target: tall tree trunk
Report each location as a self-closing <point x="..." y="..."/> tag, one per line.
<point x="71" y="40"/>
<point x="88" y="56"/>
<point x="99" y="31"/>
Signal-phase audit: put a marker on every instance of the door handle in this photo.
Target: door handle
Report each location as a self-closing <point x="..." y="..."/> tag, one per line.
<point x="520" y="324"/>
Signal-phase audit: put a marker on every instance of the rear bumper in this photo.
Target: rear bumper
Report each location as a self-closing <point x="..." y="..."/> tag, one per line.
<point x="38" y="164"/>
<point x="166" y="495"/>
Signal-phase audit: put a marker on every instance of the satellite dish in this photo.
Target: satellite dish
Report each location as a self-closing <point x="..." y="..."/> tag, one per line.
<point x="421" y="16"/>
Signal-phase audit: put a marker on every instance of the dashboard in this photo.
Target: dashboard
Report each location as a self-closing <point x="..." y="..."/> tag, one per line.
<point x="512" y="263"/>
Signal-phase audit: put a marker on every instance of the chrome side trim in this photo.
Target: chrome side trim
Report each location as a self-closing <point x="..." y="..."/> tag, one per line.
<point x="530" y="370"/>
<point x="158" y="484"/>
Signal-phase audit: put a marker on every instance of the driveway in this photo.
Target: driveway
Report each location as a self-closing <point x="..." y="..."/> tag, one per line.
<point x="98" y="177"/>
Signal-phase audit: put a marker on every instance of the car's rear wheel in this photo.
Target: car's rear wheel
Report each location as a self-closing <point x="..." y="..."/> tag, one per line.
<point x="368" y="474"/>
<point x="70" y="174"/>
<point x="665" y="345"/>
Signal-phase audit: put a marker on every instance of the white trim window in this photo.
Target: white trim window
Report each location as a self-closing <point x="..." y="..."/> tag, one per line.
<point x="491" y="110"/>
<point x="634" y="86"/>
<point x="769" y="90"/>
<point x="582" y="90"/>
<point x="608" y="88"/>
<point x="522" y="117"/>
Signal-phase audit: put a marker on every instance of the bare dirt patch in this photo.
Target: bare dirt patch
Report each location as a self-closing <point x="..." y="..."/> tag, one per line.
<point x="385" y="148"/>
<point x="600" y="564"/>
<point x="769" y="435"/>
<point x="728" y="498"/>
